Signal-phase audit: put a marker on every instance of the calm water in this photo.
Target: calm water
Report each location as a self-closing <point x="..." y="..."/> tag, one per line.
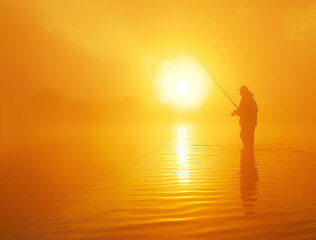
<point x="172" y="182"/>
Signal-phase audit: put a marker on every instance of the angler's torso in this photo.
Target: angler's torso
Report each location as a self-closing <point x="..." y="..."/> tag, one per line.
<point x="248" y="112"/>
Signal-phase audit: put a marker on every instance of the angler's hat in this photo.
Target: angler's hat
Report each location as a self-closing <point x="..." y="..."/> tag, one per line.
<point x="243" y="88"/>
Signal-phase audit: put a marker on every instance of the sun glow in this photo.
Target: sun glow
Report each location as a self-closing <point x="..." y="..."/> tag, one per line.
<point x="182" y="82"/>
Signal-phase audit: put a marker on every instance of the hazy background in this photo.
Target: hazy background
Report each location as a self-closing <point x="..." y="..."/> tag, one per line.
<point x="93" y="62"/>
<point x="88" y="151"/>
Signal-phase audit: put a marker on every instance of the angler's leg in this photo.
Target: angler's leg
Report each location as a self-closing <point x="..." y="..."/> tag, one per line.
<point x="247" y="135"/>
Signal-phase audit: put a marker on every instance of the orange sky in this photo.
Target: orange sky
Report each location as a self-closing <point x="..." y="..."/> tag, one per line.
<point x="109" y="50"/>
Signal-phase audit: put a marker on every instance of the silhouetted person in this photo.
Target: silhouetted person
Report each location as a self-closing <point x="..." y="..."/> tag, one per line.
<point x="248" y="180"/>
<point x="248" y="116"/>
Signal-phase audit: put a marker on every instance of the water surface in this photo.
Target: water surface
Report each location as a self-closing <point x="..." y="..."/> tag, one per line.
<point x="171" y="182"/>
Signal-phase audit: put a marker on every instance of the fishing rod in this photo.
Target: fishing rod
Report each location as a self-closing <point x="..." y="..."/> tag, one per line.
<point x="224" y="92"/>
<point x="221" y="88"/>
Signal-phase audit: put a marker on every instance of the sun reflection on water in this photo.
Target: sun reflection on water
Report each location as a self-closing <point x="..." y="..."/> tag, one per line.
<point x="183" y="167"/>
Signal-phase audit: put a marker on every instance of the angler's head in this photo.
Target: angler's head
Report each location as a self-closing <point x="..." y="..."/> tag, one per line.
<point x="243" y="91"/>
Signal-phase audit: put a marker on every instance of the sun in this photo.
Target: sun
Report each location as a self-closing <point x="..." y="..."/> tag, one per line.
<point x="182" y="88"/>
<point x="182" y="82"/>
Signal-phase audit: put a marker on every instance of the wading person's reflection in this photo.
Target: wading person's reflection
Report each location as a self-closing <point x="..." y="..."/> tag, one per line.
<point x="248" y="180"/>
